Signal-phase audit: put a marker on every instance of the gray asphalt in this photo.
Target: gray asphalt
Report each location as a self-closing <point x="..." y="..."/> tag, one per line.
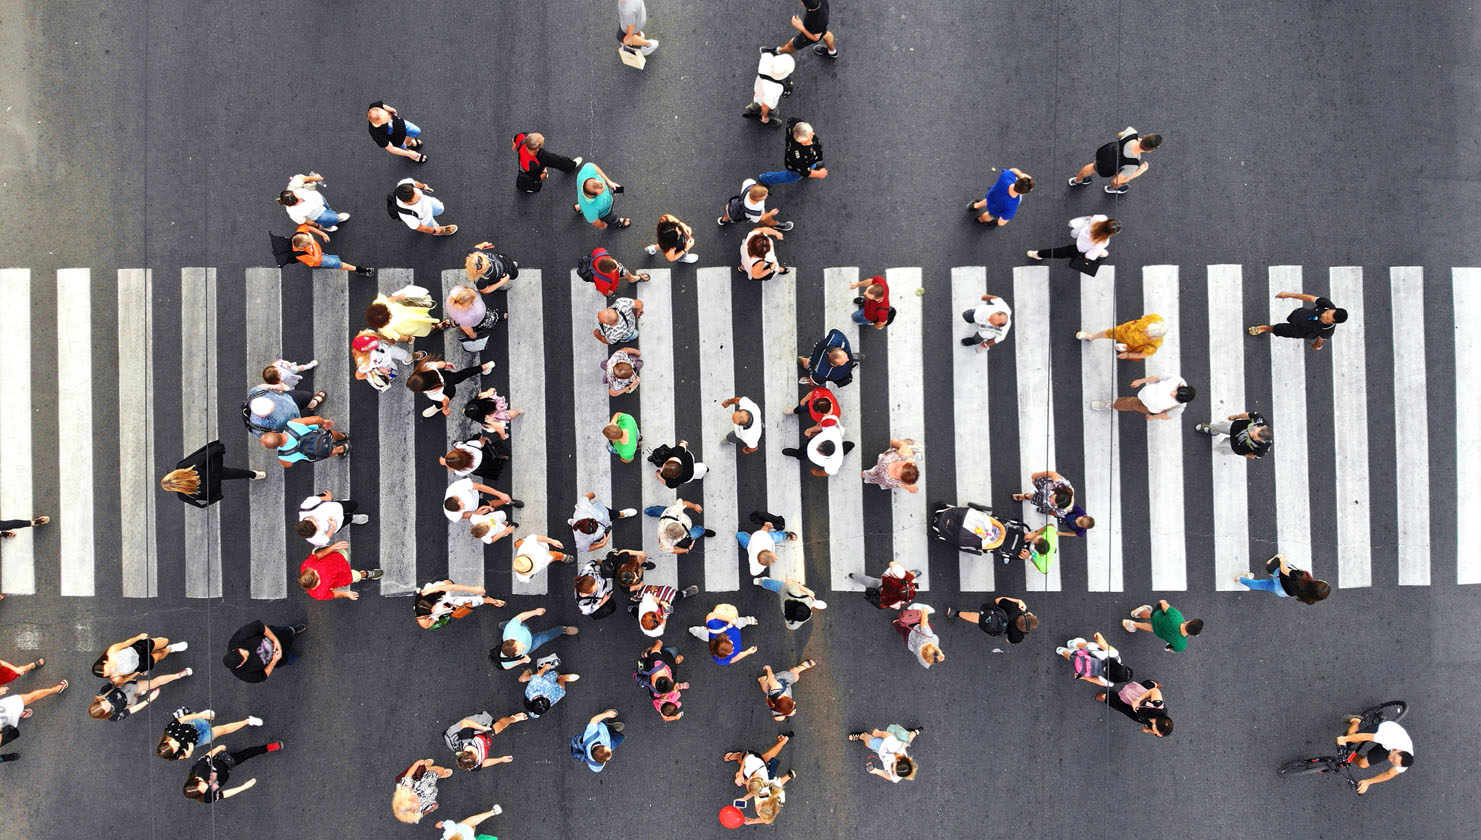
<point x="156" y="134"/>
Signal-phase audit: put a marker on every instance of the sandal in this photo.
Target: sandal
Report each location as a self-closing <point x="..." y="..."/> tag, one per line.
<point x="412" y="143"/>
<point x="732" y="755"/>
<point x="811" y="663"/>
<point x="317" y="400"/>
<point x="39" y="521"/>
<point x="1253" y="330"/>
<point x="39" y="663"/>
<point x="420" y="158"/>
<point x="5" y="535"/>
<point x="622" y="223"/>
<point x="63" y="685"/>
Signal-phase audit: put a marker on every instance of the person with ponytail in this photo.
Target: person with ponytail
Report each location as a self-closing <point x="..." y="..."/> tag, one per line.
<point x="197" y="478"/>
<point x="1092" y="234"/>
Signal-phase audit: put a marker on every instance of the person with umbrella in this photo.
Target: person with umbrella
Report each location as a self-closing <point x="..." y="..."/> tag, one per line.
<point x="302" y="247"/>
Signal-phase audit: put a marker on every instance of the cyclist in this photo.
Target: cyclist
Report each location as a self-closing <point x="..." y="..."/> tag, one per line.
<point x="1390" y="737"/>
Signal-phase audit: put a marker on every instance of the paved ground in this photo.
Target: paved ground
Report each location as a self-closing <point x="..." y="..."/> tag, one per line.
<point x="155" y="135"/>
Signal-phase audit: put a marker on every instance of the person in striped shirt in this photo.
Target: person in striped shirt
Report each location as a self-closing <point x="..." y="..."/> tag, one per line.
<point x="471" y="740"/>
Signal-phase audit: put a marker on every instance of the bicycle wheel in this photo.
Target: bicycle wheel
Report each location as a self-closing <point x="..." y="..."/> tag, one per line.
<point x="1307" y="766"/>
<point x="1391" y="710"/>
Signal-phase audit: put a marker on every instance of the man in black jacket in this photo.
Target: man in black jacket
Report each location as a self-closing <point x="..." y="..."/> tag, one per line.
<point x="257" y="648"/>
<point x="802" y="159"/>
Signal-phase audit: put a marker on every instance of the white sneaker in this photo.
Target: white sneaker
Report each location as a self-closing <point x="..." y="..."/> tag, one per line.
<point x="578" y="160"/>
<point x="1082" y="335"/>
<point x="258" y="475"/>
<point x="496" y="810"/>
<point x="819" y="605"/>
<point x="701" y="633"/>
<point x="431" y="410"/>
<point x="746" y="621"/>
<point x="626" y="512"/>
<point x="360" y="519"/>
<point x="1061" y="650"/>
<point x="1128" y="625"/>
<point x="254" y="721"/>
<point x="177" y="647"/>
<point x="650" y="250"/>
<point x="488" y="366"/>
<point x="1120" y="347"/>
<point x="331" y="229"/>
<point x="1099" y="405"/>
<point x="652" y="45"/>
<point x="344" y="217"/>
<point x="689" y="258"/>
<point x="572" y="677"/>
<point x="187" y="672"/>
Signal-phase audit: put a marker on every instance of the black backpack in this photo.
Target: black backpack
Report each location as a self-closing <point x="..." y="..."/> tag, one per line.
<point x="315" y="445"/>
<point x="735" y="209"/>
<point x="994" y="621"/>
<point x="395" y="210"/>
<point x="586" y="269"/>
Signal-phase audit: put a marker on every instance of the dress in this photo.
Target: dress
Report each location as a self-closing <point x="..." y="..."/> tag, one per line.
<point x="1134" y="335"/>
<point x="406" y="321"/>
<point x="879" y="473"/>
<point x="423" y="783"/>
<point x="1043" y="497"/>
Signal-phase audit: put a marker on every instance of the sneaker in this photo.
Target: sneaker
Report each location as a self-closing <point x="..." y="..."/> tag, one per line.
<point x="1099" y="405"/>
<point x="1082" y="335"/>
<point x="185" y="672"/>
<point x="254" y="721"/>
<point x="759" y="581"/>
<point x="360" y="519"/>
<point x="498" y="809"/>
<point x="709" y="533"/>
<point x="1116" y="190"/>
<point x="431" y="410"/>
<point x="178" y="647"/>
<point x="689" y="591"/>
<point x="516" y="503"/>
<point x="1076" y="182"/>
<point x="344" y="217"/>
<point x="374" y="574"/>
<point x="689" y="258"/>
<point x="275" y="746"/>
<point x="572" y="677"/>
<point x="819" y="49"/>
<point x="1121" y="347"/>
<point x="650" y="250"/>
<point x="258" y="475"/>
<point x="1147" y="607"/>
<point x="1203" y="428"/>
<point x="1128" y="625"/>
<point x="721" y="221"/>
<point x="626" y="512"/>
<point x="951" y="612"/>
<point x="858" y="301"/>
<point x="819" y="605"/>
<point x="331" y="229"/>
<point x="785" y="226"/>
<point x="578" y="160"/>
<point x="971" y="341"/>
<point x="300" y="628"/>
<point x="568" y="559"/>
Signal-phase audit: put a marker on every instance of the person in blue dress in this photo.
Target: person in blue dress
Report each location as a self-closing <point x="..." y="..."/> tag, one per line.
<point x="1001" y="202"/>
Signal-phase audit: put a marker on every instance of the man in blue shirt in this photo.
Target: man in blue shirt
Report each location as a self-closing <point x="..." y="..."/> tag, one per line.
<point x="832" y="360"/>
<point x="1001" y="202"/>
<point x="595" y="744"/>
<point x="306" y="439"/>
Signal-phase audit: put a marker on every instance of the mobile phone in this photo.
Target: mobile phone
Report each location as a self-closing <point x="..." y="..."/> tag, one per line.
<point x="739" y="803"/>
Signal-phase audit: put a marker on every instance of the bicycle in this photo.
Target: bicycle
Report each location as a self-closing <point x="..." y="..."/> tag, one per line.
<point x="1341" y="763"/>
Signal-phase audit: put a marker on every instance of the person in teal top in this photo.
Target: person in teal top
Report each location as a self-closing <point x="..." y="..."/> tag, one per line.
<point x="1042" y="544"/>
<point x="595" y="195"/>
<point x="622" y="436"/>
<point x="1165" y="621"/>
<point x="306" y="439"/>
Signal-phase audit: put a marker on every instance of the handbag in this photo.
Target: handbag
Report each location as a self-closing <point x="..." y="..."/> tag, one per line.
<point x="1087" y="267"/>
<point x="461" y="610"/>
<point x="632" y="58"/>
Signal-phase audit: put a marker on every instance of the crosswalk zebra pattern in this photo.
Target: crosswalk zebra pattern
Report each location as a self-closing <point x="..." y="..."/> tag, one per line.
<point x="1316" y="488"/>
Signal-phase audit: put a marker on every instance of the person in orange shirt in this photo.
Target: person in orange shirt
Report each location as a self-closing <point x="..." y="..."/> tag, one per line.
<point x="311" y="253"/>
<point x="1135" y="340"/>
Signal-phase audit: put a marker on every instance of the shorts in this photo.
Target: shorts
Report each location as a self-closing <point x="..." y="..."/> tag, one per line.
<point x="1108" y="157"/>
<point x="800" y="41"/>
<point x="202" y="731"/>
<point x="330" y="261"/>
<point x="786" y="680"/>
<point x="7" y="674"/>
<point x="145" y="649"/>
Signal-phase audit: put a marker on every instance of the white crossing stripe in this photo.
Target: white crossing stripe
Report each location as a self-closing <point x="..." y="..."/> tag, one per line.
<point x="198" y="413"/>
<point x="17" y="556"/>
<point x="1350" y="431"/>
<point x="1035" y="401"/>
<point x="1465" y="292"/>
<point x="272" y="564"/>
<point x="1168" y="534"/>
<point x="780" y="372"/>
<point x="1411" y="429"/>
<point x="528" y="468"/>
<point x="75" y="422"/>
<point x="845" y="490"/>
<point x="717" y="384"/>
<point x="1288" y="420"/>
<point x="464" y="553"/>
<point x="397" y="484"/>
<point x="1226" y="396"/>
<point x="1101" y="494"/>
<point x="971" y="397"/>
<point x="908" y="418"/>
<point x="137" y="490"/>
<point x="590" y="404"/>
<point x="331" y="291"/>
<point x="656" y="415"/>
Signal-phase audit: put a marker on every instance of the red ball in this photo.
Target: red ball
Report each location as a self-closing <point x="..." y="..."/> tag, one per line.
<point x="731" y="817"/>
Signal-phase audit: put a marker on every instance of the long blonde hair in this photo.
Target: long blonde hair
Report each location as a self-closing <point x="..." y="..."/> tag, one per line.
<point x="181" y="481"/>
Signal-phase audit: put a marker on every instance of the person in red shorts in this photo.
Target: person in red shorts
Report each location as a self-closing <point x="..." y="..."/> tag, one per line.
<point x="327" y="575"/>
<point x="9" y="672"/>
<point x="874" y="306"/>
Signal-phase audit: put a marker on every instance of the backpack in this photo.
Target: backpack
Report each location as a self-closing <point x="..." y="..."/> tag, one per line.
<point x="586" y="269"/>
<point x="315" y="445"/>
<point x="395" y="210"/>
<point x="994" y="621"/>
<point x="735" y="209"/>
<point x="249" y="419"/>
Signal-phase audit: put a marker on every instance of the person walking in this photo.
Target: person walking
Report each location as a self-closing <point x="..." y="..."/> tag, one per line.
<point x="992" y="319"/>
<point x="890" y="747"/>
<point x="898" y="466"/>
<point x="269" y="409"/>
<point x="1054" y="496"/>
<point x="435" y="378"/>
<point x="722" y="629"/>
<point x="812" y="28"/>
<point x="462" y="499"/>
<point x="802" y="157"/>
<point x="817" y="403"/>
<point x="487" y="272"/>
<point x="1004" y="616"/>
<point x="618" y="323"/>
<point x="415" y="794"/>
<point x="798" y="602"/>
<point x="376" y="358"/>
<point x="622" y="436"/>
<point x="1158" y="398"/>
<point x="196" y="479"/>
<point x="1095" y="661"/>
<point x="135" y="656"/>
<point x="757" y="773"/>
<point x="519" y="642"/>
<point x="771" y="85"/>
<point x="321" y="516"/>
<point x="676" y="465"/>
<point x="1167" y="622"/>
<point x="472" y="739"/>
<point x="393" y="132"/>
<point x="256" y="649"/>
<point x="677" y="533"/>
<point x="8" y="527"/>
<point x="824" y="447"/>
<point x="310" y="439"/>
<point x="657" y="671"/>
<point x="478" y="456"/>
<point x="874" y="303"/>
<point x="758" y="254"/>
<point x="417" y="209"/>
<point x="1247" y="434"/>
<point x="1120" y="160"/>
<point x="286" y="375"/>
<point x="620" y="371"/>
<point x="493" y="415"/>
<point x="777" y="686"/>
<point x="489" y="528"/>
<point x="15" y="708"/>
<point x="116" y="702"/>
<point x="760" y="545"/>
<point x="749" y="205"/>
<point x="1135" y="340"/>
<point x="9" y="672"/>
<point x="893" y="589"/>
<point x="1313" y="323"/>
<point x="591" y="523"/>
<point x="545" y="685"/>
<point x="306" y="206"/>
<point x="603" y="271"/>
<point x="592" y="585"/>
<point x="326" y="574"/>
<point x="1142" y="702"/>
<point x="533" y="554"/>
<point x="675" y="239"/>
<point x="832" y="360"/>
<point x="467" y="828"/>
<point x="403" y="315"/>
<point x="632" y="16"/>
<point x="307" y="250"/>
<point x="654" y="606"/>
<point x="211" y="772"/>
<point x="187" y="730"/>
<point x="1000" y="204"/>
<point x="441" y="601"/>
<point x="595" y="196"/>
<point x="1287" y="581"/>
<point x="536" y="161"/>
<point x="1092" y="234"/>
<point x="914" y="626"/>
<point x="594" y="746"/>
<point x="745" y="423"/>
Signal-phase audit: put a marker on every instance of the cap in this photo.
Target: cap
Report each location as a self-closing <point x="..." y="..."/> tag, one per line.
<point x="365" y="343"/>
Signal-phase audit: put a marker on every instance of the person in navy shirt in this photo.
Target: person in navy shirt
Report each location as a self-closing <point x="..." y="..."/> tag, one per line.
<point x="1314" y="322"/>
<point x="832" y="360"/>
<point x="1001" y="202"/>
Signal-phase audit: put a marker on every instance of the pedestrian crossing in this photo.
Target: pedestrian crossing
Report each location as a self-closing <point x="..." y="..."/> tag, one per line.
<point x="1172" y="513"/>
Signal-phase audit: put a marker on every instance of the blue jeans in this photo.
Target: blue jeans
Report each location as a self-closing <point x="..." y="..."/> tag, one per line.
<point x="437" y="207"/>
<point x="773" y="585"/>
<point x="744" y="539"/>
<point x="1264" y="585"/>
<point x="780" y="176"/>
<point x="538" y="639"/>
<point x="858" y="316"/>
<point x="655" y="511"/>
<point x="328" y="218"/>
<point x="412" y="131"/>
<point x="330" y="261"/>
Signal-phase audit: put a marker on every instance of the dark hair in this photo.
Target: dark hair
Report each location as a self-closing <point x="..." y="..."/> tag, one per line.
<point x="910" y="473"/>
<point x="1024" y="184"/>
<point x="823" y="405"/>
<point x="669" y="235"/>
<point x="631" y="573"/>
<point x="467" y="759"/>
<point x="721" y="647"/>
<point x="98" y="666"/>
<point x="782" y="705"/>
<point x="1339" y="316"/>
<point x="537" y="705"/>
<point x="605" y="264"/>
<point x="193" y="792"/>
<point x="305" y="528"/>
<point x="904" y="767"/>
<point x="1185" y="393"/>
<point x="406" y="192"/>
<point x="1405" y="759"/>
<point x="1148" y="142"/>
<point x="424" y="604"/>
<point x="377" y="315"/>
<point x="164" y="750"/>
<point x="825" y="448"/>
<point x="424" y="380"/>
<point x="663" y="685"/>
<point x="796" y="611"/>
<point x="1195" y="627"/>
<point x="1041" y="545"/>
<point x="287" y="198"/>
<point x="1063" y="497"/>
<point x="271" y="375"/>
<point x="668" y="709"/>
<point x="1160" y="723"/>
<point x="452" y="504"/>
<point x="586" y="526"/>
<point x="509" y="647"/>
<point x="1310" y="592"/>
<point x="671" y="469"/>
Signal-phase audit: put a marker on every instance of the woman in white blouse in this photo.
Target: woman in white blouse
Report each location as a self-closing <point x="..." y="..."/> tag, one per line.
<point x="758" y="254"/>
<point x="1092" y="235"/>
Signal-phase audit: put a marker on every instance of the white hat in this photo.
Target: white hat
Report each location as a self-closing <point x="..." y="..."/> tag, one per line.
<point x="777" y="66"/>
<point x="261" y="406"/>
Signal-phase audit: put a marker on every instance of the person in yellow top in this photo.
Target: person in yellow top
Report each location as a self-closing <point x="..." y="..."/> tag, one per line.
<point x="1135" y="340"/>
<point x="404" y="315"/>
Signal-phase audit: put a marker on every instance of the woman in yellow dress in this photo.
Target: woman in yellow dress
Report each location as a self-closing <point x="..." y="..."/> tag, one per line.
<point x="403" y="315"/>
<point x="1135" y="340"/>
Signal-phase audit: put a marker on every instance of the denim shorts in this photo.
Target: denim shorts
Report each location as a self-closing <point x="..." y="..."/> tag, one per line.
<point x="330" y="261"/>
<point x="202" y="731"/>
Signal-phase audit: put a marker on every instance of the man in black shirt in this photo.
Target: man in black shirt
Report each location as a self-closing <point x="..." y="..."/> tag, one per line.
<point x="803" y="157"/>
<point x="1248" y="434"/>
<point x="256" y="649"/>
<point x="1314" y="323"/>
<point x="1000" y="617"/>
<point x="812" y="27"/>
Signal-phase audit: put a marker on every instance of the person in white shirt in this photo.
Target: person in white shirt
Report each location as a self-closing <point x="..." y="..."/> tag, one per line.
<point x="320" y="518"/>
<point x="750" y="206"/>
<point x="306" y="206"/>
<point x="745" y="421"/>
<point x="489" y="528"/>
<point x="825" y="448"/>
<point x="771" y="85"/>
<point x="533" y="553"/>
<point x="992" y="319"/>
<point x="760" y="545"/>
<point x="1387" y="742"/>
<point x="464" y="829"/>
<point x="1092" y="236"/>
<point x="591" y="523"/>
<point x="462" y="499"/>
<point x="1158" y="398"/>
<point x="418" y="210"/>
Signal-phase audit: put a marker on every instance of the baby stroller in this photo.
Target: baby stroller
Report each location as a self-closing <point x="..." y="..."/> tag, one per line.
<point x="973" y="529"/>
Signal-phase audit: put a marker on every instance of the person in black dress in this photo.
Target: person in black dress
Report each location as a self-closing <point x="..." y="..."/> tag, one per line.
<point x="256" y="649"/>
<point x="197" y="478"/>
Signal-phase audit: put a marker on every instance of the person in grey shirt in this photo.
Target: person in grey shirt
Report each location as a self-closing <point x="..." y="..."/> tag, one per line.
<point x="632" y="16"/>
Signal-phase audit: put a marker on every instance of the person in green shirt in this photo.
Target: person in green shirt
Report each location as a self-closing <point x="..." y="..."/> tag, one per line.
<point x="1165" y="621"/>
<point x="1041" y="546"/>
<point x="622" y="436"/>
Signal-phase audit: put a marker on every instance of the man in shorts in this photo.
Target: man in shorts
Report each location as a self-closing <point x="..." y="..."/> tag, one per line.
<point x="1386" y="742"/>
<point x="1120" y="160"/>
<point x="1004" y="616"/>
<point x="812" y="28"/>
